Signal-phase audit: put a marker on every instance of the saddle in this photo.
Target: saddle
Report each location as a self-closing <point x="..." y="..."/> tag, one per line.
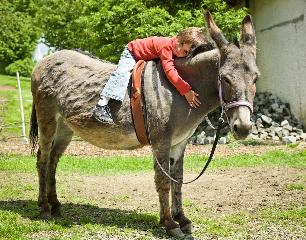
<point x="136" y="104"/>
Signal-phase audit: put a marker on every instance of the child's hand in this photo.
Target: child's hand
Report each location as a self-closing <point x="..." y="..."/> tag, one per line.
<point x="192" y="99"/>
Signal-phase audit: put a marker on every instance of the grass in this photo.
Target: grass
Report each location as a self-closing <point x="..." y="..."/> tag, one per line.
<point x="85" y="218"/>
<point x="127" y="165"/>
<point x="11" y="110"/>
<point x="296" y="186"/>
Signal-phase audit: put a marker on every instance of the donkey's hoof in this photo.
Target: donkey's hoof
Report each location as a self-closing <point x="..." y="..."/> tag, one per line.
<point x="56" y="211"/>
<point x="187" y="228"/>
<point x="45" y="215"/>
<point x="176" y="232"/>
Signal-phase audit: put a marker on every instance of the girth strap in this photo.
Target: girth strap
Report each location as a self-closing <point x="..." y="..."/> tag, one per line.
<point x="136" y="104"/>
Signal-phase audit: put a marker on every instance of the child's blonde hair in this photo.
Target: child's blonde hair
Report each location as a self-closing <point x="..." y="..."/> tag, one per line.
<point x="193" y="36"/>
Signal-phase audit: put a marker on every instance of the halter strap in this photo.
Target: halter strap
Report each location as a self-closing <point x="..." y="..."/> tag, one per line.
<point x="238" y="103"/>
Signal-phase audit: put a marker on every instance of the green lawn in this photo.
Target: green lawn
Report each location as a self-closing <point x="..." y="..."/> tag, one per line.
<point x="85" y="218"/>
<point x="126" y="165"/>
<point x="11" y="109"/>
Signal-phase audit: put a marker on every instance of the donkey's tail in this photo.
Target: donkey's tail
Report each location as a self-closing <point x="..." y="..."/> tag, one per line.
<point x="33" y="130"/>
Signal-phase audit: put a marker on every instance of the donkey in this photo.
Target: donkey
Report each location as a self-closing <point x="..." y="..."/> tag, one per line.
<point x="65" y="88"/>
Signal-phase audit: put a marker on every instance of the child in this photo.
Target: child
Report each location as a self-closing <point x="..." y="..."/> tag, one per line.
<point x="147" y="49"/>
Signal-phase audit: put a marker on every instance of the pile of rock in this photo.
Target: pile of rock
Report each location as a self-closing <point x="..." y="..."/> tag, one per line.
<point x="272" y="120"/>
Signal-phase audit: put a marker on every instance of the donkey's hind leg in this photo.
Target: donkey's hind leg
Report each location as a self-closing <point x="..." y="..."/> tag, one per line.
<point x="163" y="188"/>
<point x="176" y="160"/>
<point x="47" y="126"/>
<point x="61" y="141"/>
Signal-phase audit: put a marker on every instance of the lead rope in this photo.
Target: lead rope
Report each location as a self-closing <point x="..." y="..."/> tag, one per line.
<point x="221" y="121"/>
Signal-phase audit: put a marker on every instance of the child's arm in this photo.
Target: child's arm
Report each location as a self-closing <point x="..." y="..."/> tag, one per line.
<point x="167" y="61"/>
<point x="192" y="99"/>
<point x="182" y="86"/>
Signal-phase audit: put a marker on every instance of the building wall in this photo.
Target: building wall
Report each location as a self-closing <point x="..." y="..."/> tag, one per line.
<point x="281" y="55"/>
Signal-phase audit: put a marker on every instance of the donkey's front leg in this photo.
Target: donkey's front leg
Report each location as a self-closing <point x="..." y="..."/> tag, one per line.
<point x="163" y="188"/>
<point x="176" y="161"/>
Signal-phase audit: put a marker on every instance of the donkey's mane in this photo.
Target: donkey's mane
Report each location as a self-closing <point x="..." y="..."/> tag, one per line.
<point x="210" y="45"/>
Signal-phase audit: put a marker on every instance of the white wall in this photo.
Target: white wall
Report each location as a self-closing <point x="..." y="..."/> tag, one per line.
<point x="281" y="55"/>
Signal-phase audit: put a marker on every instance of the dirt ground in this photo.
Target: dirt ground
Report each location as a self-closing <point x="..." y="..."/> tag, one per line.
<point x="221" y="190"/>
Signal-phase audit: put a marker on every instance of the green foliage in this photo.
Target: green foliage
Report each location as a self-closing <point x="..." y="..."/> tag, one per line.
<point x="227" y="18"/>
<point x="18" y="34"/>
<point x="24" y="67"/>
<point x="104" y="27"/>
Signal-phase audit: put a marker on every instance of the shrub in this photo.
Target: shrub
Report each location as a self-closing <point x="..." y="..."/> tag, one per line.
<point x="24" y="67"/>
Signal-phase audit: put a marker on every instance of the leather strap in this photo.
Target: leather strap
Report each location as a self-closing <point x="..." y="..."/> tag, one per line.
<point x="136" y="104"/>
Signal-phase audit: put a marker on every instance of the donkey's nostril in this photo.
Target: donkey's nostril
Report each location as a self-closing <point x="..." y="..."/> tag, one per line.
<point x="235" y="128"/>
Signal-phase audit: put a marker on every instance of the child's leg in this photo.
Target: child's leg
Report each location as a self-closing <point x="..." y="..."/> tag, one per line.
<point x="115" y="88"/>
<point x="117" y="84"/>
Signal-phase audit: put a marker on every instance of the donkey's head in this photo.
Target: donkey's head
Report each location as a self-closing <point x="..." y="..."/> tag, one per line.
<point x="238" y="73"/>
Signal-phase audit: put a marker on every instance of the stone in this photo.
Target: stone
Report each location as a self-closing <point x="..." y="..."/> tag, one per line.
<point x="193" y="140"/>
<point x="261" y="130"/>
<point x="275" y="138"/>
<point x="284" y="123"/>
<point x="278" y="131"/>
<point x="222" y="140"/>
<point x="209" y="140"/>
<point x="274" y="106"/>
<point x="258" y="121"/>
<point x="271" y="134"/>
<point x="275" y="124"/>
<point x="200" y="140"/>
<point x="202" y="134"/>
<point x="254" y="130"/>
<point x="303" y="136"/>
<point x="259" y="125"/>
<point x="285" y="132"/>
<point x="254" y="137"/>
<point x="263" y="136"/>
<point x="279" y="111"/>
<point x="299" y="131"/>
<point x="288" y="127"/>
<point x="288" y="139"/>
<point x="266" y="119"/>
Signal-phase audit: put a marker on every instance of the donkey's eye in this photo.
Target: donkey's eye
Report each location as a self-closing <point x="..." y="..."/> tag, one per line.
<point x="226" y="80"/>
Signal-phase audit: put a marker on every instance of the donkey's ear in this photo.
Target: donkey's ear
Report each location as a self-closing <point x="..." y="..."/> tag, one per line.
<point x="248" y="32"/>
<point x="214" y="31"/>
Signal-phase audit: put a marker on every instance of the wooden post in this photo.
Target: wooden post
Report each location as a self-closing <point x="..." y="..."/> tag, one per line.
<point x="25" y="140"/>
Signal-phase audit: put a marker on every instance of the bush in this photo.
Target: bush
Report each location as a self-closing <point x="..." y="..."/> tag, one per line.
<point x="24" y="67"/>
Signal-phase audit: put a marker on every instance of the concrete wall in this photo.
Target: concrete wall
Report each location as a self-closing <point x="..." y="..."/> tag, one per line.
<point x="281" y="55"/>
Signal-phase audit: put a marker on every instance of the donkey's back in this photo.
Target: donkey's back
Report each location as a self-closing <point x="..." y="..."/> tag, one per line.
<point x="73" y="78"/>
<point x="66" y="87"/>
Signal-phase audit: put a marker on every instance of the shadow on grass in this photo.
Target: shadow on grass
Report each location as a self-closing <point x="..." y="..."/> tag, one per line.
<point x="79" y="214"/>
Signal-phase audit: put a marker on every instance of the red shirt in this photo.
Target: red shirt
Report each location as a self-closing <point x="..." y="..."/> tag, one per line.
<point x="160" y="47"/>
